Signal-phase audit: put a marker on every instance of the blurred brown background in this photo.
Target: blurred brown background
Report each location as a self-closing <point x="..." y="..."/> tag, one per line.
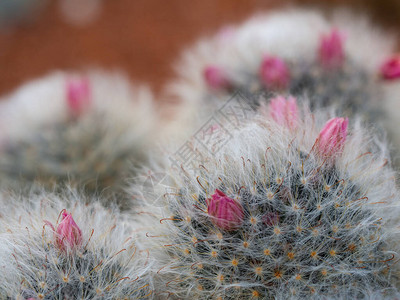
<point x="141" y="37"/>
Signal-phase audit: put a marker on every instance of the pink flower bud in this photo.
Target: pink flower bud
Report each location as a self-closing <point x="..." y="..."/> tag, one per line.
<point x="67" y="232"/>
<point x="331" y="50"/>
<point x="284" y="111"/>
<point x="270" y="219"/>
<point x="390" y="69"/>
<point x="274" y="73"/>
<point x="332" y="137"/>
<point x="215" y="77"/>
<point x="225" y="212"/>
<point x="78" y="95"/>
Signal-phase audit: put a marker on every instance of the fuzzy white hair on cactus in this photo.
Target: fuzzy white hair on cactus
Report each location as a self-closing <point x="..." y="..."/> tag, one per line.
<point x="281" y="214"/>
<point x="86" y="130"/>
<point x="57" y="247"/>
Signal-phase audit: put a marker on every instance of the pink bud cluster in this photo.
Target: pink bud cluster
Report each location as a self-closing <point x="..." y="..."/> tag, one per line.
<point x="274" y="72"/>
<point x="67" y="233"/>
<point x="78" y="96"/>
<point x="332" y="137"/>
<point x="228" y="214"/>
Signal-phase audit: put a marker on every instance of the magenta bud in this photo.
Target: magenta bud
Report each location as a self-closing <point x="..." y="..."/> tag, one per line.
<point x="78" y="95"/>
<point x="270" y="219"/>
<point x="284" y="111"/>
<point x="215" y="77"/>
<point x="274" y="73"/>
<point x="390" y="69"/>
<point x="225" y="212"/>
<point x="332" y="137"/>
<point x="331" y="49"/>
<point x="67" y="232"/>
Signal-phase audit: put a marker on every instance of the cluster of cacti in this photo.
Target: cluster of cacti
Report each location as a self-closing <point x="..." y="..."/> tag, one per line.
<point x="292" y="202"/>
<point x="342" y="62"/>
<point x="88" y="131"/>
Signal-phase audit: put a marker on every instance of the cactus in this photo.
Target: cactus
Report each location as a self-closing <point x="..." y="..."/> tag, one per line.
<point x="88" y="253"/>
<point x="88" y="132"/>
<point x="275" y="215"/>
<point x="333" y="61"/>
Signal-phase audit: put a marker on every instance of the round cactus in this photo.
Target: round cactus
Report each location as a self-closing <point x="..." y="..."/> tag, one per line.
<point x="87" y="131"/>
<point x="281" y="213"/>
<point x="333" y="61"/>
<point x="53" y="248"/>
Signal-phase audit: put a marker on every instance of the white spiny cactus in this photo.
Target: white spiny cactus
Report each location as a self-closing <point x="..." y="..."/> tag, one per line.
<point x="56" y="247"/>
<point x="281" y="213"/>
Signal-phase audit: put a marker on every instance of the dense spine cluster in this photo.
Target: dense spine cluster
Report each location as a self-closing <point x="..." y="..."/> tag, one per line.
<point x="281" y="219"/>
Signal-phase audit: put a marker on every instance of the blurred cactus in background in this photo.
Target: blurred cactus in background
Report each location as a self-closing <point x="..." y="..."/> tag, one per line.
<point x="89" y="132"/>
<point x="334" y="61"/>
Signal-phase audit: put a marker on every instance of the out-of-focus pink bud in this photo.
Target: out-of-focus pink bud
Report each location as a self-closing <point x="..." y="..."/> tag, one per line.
<point x="78" y="95"/>
<point x="225" y="212"/>
<point x="331" y="50"/>
<point x="67" y="232"/>
<point x="332" y="137"/>
<point x="274" y="73"/>
<point x="215" y="77"/>
<point x="270" y="219"/>
<point x="390" y="69"/>
<point x="284" y="111"/>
